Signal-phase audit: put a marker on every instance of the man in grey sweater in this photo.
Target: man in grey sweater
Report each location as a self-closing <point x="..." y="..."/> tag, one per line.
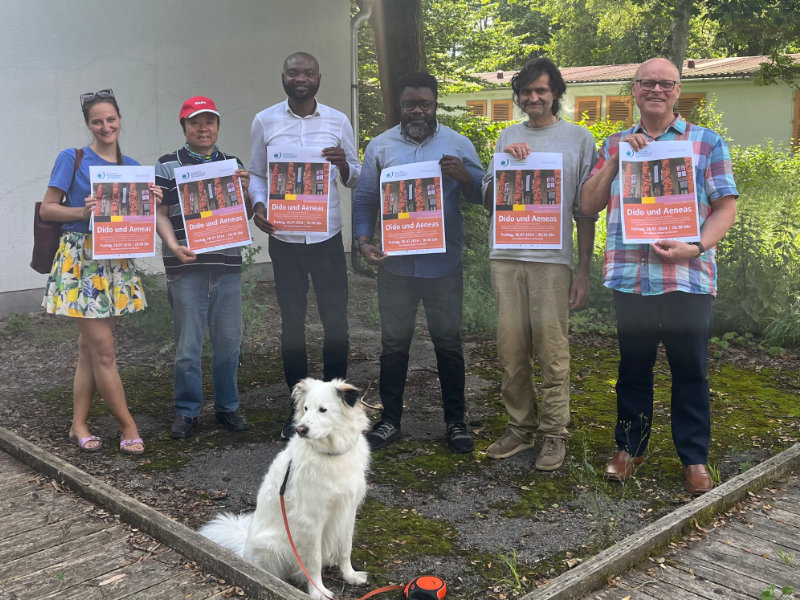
<point x="534" y="287"/>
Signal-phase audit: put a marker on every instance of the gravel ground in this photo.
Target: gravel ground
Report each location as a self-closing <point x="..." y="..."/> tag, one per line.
<point x="217" y="470"/>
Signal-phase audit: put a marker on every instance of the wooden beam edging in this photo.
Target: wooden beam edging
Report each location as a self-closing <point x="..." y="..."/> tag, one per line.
<point x="616" y="560"/>
<point x="235" y="570"/>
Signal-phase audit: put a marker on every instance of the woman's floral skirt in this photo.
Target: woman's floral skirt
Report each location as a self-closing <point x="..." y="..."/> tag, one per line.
<point x="80" y="286"/>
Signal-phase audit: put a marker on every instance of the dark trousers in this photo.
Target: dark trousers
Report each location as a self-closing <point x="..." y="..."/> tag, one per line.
<point x="398" y="299"/>
<point x="325" y="263"/>
<point x="682" y="322"/>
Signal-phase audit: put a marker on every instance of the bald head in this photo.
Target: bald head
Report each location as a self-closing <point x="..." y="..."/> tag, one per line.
<point x="656" y="89"/>
<point x="661" y="65"/>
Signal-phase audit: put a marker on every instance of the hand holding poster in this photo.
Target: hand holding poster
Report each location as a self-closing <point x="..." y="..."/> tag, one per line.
<point x="299" y="183"/>
<point x="527" y="201"/>
<point x="123" y="223"/>
<point x="212" y="199"/>
<point x="412" y="216"/>
<point x="657" y="193"/>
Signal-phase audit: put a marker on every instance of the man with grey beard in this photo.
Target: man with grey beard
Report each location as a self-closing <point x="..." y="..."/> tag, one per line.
<point x="434" y="279"/>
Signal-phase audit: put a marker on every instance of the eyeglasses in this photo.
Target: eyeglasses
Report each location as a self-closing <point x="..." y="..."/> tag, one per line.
<point x="666" y="85"/>
<point x="91" y="96"/>
<point x="423" y="104"/>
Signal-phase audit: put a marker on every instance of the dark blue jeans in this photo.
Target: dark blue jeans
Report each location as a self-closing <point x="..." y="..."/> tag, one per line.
<point x="325" y="263"/>
<point x="682" y="322"/>
<point x="200" y="300"/>
<point x="398" y="299"/>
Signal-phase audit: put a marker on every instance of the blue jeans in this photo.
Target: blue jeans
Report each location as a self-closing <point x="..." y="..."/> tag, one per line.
<point x="681" y="322"/>
<point x="398" y="299"/>
<point x="326" y="265"/>
<point x="201" y="299"/>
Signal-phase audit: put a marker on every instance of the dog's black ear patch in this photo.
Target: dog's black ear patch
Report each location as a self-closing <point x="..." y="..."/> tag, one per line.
<point x="348" y="394"/>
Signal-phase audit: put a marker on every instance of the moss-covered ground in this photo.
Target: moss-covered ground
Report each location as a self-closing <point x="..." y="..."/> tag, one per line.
<point x="755" y="414"/>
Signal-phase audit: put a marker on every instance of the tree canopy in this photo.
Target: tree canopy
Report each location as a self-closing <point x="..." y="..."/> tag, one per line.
<point x="463" y="37"/>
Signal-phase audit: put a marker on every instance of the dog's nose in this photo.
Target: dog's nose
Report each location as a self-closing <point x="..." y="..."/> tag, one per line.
<point x="302" y="430"/>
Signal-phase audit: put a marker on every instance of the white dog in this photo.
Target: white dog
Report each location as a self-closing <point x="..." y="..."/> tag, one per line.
<point x="327" y="462"/>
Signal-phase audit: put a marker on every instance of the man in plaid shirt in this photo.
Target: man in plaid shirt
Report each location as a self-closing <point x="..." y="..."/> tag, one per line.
<point x="663" y="292"/>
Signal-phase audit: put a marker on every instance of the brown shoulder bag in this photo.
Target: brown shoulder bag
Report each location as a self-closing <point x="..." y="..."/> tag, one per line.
<point x="46" y="234"/>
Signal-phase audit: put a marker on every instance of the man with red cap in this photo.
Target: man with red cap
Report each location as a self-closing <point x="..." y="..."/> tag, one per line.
<point x="204" y="290"/>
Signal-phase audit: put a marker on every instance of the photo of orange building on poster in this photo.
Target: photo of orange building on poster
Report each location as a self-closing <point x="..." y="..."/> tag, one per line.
<point x="123" y="222"/>
<point x="412" y="216"/>
<point x="410" y="196"/>
<point x="211" y="194"/>
<point x="212" y="199"/>
<point x="657" y="193"/>
<point x="299" y="180"/>
<point x="122" y="199"/>
<point x="527" y="201"/>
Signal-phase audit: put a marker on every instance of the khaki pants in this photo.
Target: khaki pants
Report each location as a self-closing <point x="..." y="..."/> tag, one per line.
<point x="533" y="321"/>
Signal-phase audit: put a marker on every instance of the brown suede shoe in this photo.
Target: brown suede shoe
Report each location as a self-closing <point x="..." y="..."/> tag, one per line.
<point x="621" y="465"/>
<point x="698" y="480"/>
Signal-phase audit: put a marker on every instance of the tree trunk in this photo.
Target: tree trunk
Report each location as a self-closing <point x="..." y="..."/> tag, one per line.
<point x="399" y="45"/>
<point x="675" y="44"/>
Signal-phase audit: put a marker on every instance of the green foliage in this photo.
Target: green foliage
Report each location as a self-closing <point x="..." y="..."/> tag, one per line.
<point x="773" y="593"/>
<point x="465" y="36"/>
<point x="599" y="32"/>
<point x="754" y="27"/>
<point x="509" y="558"/>
<point x="601" y="129"/>
<point x="479" y="312"/>
<point x="253" y="306"/>
<point x="16" y="325"/>
<point x="371" y="116"/>
<point x="759" y="272"/>
<point x="705" y="114"/>
<point x="482" y="132"/>
<point x="780" y="68"/>
<point x="786" y="557"/>
<point x="156" y="319"/>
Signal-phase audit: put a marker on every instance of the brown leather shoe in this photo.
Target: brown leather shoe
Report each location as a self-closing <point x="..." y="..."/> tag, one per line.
<point x="621" y="465"/>
<point x="698" y="479"/>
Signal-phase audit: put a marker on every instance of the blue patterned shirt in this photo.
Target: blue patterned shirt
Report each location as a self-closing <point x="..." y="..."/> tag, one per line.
<point x="635" y="268"/>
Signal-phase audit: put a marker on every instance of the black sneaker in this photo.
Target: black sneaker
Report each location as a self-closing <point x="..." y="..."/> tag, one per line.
<point x="459" y="439"/>
<point x="382" y="434"/>
<point x="233" y="420"/>
<point x="289" y="428"/>
<point x="182" y="427"/>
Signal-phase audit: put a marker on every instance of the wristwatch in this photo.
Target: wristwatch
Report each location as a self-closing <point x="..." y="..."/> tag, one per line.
<point x="699" y="247"/>
<point x="364" y="242"/>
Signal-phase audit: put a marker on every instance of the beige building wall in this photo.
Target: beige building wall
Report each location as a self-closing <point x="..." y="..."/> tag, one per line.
<point x="154" y="54"/>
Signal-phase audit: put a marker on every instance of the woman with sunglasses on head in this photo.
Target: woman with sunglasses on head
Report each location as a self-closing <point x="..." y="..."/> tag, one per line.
<point x="93" y="291"/>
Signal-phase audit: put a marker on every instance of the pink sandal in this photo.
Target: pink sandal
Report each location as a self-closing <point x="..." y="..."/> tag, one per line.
<point x="125" y="446"/>
<point x="82" y="442"/>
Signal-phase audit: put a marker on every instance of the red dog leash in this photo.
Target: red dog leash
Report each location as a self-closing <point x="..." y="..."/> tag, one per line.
<point x="381" y="590"/>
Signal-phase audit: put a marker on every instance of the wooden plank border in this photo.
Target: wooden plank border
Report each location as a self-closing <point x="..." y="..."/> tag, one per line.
<point x="616" y="560"/>
<point x="257" y="583"/>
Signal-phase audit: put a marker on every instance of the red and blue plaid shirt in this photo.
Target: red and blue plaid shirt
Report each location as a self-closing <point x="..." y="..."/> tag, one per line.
<point x="635" y="268"/>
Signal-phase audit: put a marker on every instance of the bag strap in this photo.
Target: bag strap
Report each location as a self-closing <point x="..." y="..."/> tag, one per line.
<point x="76" y="166"/>
<point x="78" y="161"/>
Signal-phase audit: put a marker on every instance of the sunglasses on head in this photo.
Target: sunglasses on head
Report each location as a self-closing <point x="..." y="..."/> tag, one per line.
<point x="91" y="96"/>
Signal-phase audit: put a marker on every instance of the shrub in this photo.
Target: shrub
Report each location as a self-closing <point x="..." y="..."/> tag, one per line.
<point x="759" y="276"/>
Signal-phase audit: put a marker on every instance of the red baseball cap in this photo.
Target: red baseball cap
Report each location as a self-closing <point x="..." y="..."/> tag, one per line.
<point x="196" y="105"/>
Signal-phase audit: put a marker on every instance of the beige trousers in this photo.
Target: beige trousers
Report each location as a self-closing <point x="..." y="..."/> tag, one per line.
<point x="533" y="322"/>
